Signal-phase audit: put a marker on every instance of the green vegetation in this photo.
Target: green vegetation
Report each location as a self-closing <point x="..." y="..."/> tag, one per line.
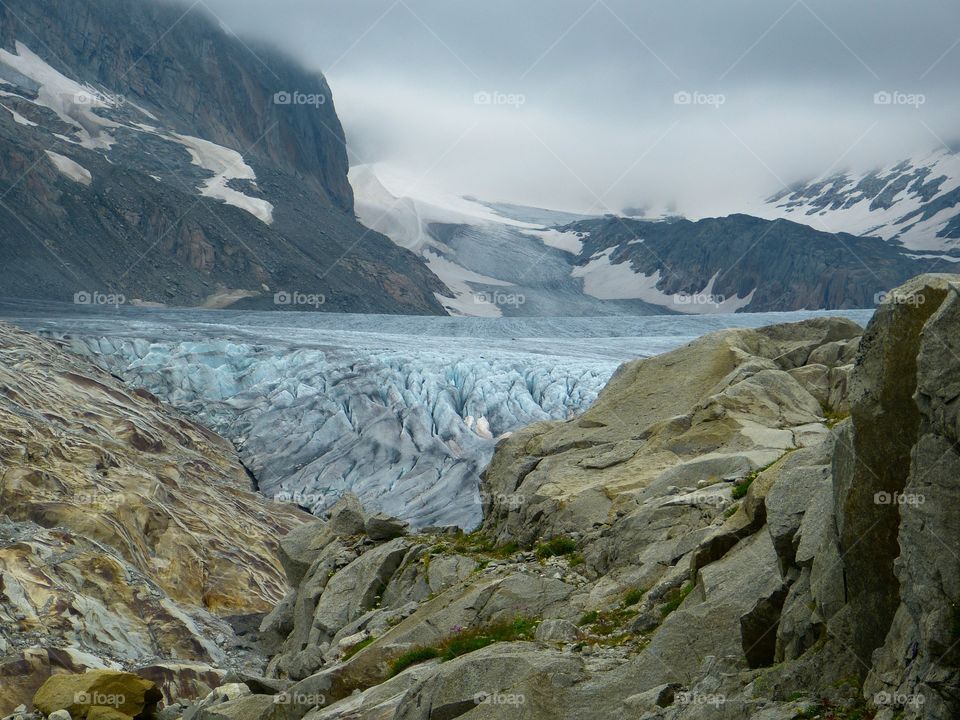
<point x="354" y="649"/>
<point x="740" y="489"/>
<point x="675" y="597"/>
<point x="575" y="559"/>
<point x="554" y="547"/>
<point x="633" y="597"/>
<point x="476" y="543"/>
<point x="832" y="417"/>
<point x="466" y="641"/>
<point x="412" y="657"/>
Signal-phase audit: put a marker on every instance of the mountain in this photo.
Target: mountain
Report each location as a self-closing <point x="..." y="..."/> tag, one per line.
<point x="497" y="259"/>
<point x="914" y="203"/>
<point x="146" y="154"/>
<point x="739" y="263"/>
<point x="502" y="259"/>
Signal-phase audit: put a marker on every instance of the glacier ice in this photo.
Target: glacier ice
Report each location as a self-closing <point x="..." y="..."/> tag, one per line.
<point x="403" y="411"/>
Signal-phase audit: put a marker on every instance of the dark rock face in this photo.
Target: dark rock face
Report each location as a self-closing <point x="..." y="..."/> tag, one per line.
<point x="885" y="430"/>
<point x="139" y="225"/>
<point x="786" y="265"/>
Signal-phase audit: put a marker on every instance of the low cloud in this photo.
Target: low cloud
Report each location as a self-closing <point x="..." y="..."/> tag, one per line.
<point x="698" y="106"/>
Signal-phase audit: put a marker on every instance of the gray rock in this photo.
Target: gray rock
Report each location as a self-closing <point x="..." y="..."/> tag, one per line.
<point x="347" y="517"/>
<point x="886" y="425"/>
<point x="58" y="715"/>
<point x="557" y="631"/>
<point x="250" y="707"/>
<point x="381" y="527"/>
<point x="300" y="547"/>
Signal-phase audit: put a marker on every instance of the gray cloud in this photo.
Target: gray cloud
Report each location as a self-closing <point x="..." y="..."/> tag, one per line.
<point x="598" y="125"/>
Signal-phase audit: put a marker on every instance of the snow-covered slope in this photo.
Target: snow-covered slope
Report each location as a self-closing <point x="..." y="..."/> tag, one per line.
<point x="496" y="259"/>
<point x="915" y="203"/>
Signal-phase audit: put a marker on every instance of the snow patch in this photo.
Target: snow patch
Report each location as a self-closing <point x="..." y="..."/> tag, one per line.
<point x="70" y="168"/>
<point x="226" y="165"/>
<point x="569" y="242"/>
<point x="17" y="117"/>
<point x="73" y="102"/>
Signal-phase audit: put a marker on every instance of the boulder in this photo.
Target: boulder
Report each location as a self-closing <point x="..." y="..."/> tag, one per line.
<point x="249" y="707"/>
<point x="382" y="527"/>
<point x="122" y="693"/>
<point x="347" y="517"/>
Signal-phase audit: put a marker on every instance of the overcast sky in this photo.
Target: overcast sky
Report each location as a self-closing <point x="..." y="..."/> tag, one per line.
<point x="573" y="103"/>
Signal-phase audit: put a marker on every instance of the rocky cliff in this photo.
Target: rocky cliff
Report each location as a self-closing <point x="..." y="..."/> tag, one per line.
<point x="147" y="153"/>
<point x="759" y="525"/>
<point x="129" y="536"/>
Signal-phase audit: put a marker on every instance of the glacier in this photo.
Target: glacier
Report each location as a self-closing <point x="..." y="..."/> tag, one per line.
<point x="403" y="411"/>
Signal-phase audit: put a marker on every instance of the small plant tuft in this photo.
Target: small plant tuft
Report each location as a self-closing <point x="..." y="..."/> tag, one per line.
<point x="555" y="547"/>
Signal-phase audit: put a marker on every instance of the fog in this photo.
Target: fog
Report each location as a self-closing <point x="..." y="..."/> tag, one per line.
<point x="701" y="107"/>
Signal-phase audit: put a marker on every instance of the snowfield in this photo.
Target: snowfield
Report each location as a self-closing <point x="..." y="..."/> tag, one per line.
<point x="403" y="411"/>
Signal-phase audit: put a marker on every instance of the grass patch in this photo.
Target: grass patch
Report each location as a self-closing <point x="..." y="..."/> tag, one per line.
<point x="575" y="559"/>
<point x="741" y="488"/>
<point x="354" y="649"/>
<point x="633" y="597"/>
<point x="555" y="547"/>
<point x="413" y="657"/>
<point x="674" y="598"/>
<point x="467" y="641"/>
<point x="476" y="543"/>
<point x="826" y="710"/>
